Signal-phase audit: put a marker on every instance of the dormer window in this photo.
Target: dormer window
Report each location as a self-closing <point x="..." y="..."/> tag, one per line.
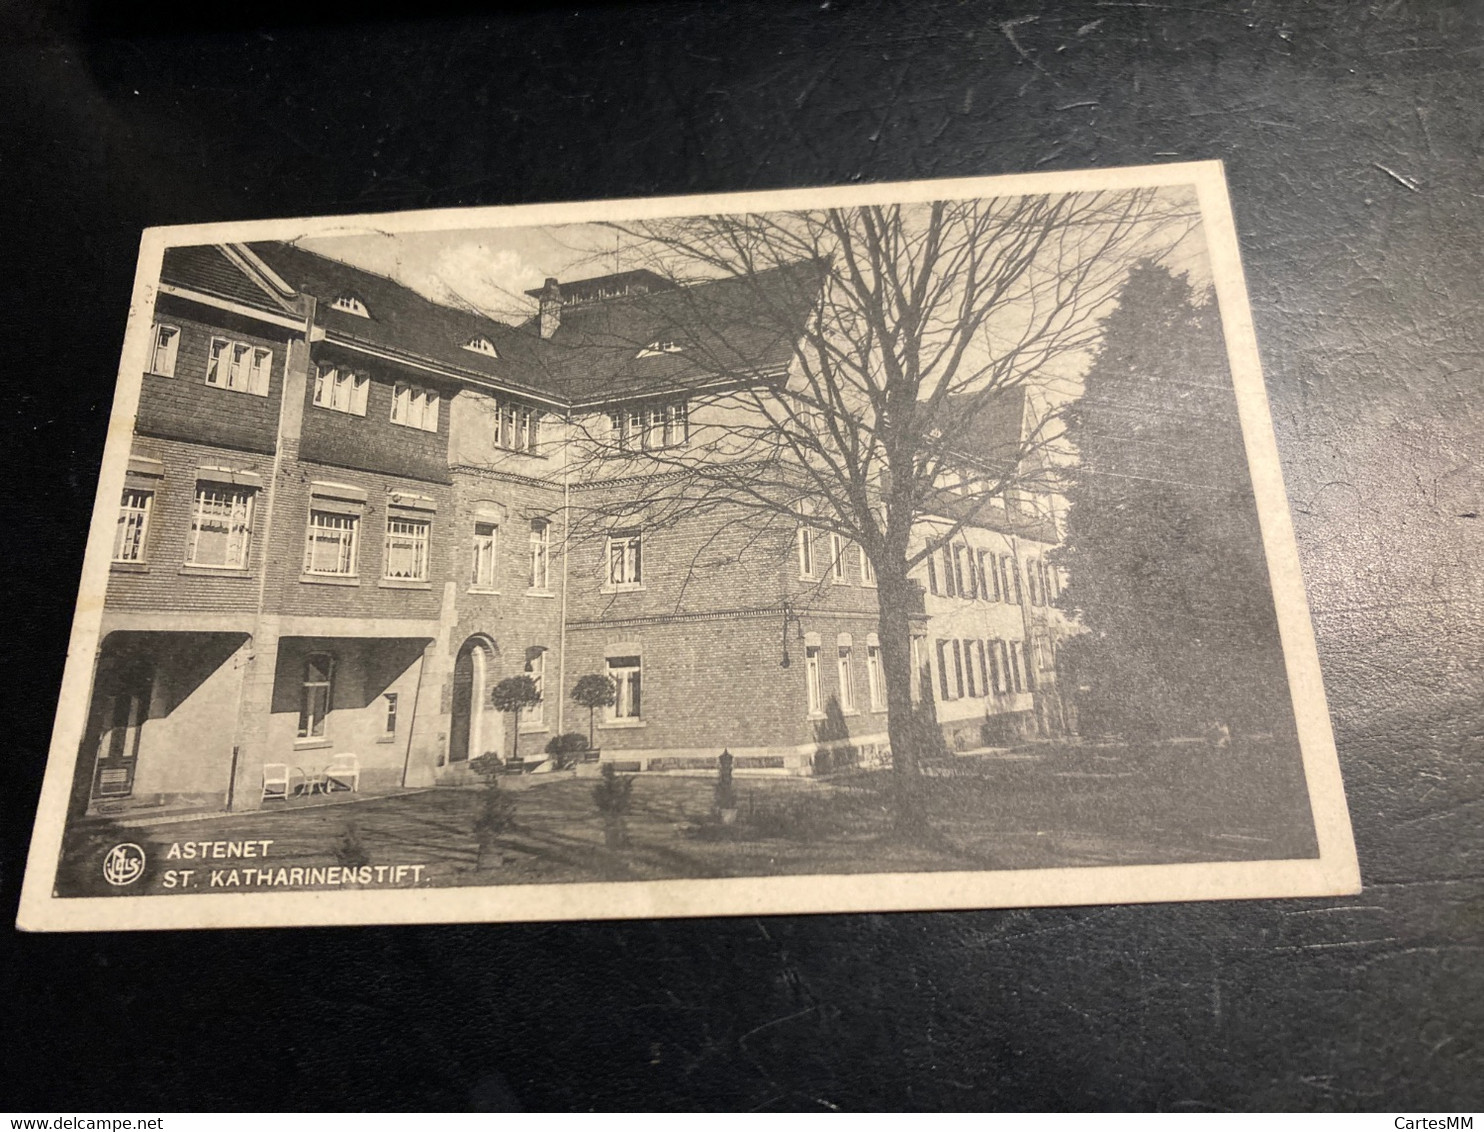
<point x="351" y="305"/>
<point x="661" y="346"/>
<point x="483" y="346"/>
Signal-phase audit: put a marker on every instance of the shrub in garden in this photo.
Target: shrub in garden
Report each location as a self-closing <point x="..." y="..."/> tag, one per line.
<point x="566" y="749"/>
<point x="496" y="813"/>
<point x="612" y="795"/>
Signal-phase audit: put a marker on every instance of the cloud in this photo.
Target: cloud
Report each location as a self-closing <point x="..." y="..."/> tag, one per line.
<point x="478" y="276"/>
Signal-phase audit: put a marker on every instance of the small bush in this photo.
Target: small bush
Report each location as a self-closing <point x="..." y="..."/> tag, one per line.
<point x="350" y="850"/>
<point x="496" y="816"/>
<point x="613" y="792"/>
<point x="566" y="749"/>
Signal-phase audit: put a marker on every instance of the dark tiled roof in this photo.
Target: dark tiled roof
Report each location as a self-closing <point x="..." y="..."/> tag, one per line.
<point x="725" y="329"/>
<point x="993" y="436"/>
<point x="400" y="320"/>
<point x="203" y="267"/>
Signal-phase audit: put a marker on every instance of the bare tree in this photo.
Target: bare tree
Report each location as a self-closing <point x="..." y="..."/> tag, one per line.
<point x="841" y="363"/>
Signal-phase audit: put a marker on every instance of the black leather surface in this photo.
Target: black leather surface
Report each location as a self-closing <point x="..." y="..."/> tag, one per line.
<point x="1352" y="139"/>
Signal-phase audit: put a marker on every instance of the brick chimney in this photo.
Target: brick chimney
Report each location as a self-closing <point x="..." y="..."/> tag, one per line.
<point x="551" y="308"/>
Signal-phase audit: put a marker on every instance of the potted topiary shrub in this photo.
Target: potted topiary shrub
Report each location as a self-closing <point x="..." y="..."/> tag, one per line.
<point x="512" y="696"/>
<point x="594" y="691"/>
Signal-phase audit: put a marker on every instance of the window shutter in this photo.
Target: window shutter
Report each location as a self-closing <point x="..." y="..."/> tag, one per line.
<point x="932" y="574"/>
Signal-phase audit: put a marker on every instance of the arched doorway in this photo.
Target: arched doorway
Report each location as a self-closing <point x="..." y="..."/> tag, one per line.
<point x="468" y="736"/>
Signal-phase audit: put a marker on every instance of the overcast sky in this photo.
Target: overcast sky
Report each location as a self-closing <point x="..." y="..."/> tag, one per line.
<point x="490" y="269"/>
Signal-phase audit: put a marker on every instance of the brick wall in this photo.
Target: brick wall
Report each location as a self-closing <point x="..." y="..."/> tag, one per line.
<point x="366" y="595"/>
<point x="164" y="581"/>
<point x="184" y="407"/>
<point x="373" y="442"/>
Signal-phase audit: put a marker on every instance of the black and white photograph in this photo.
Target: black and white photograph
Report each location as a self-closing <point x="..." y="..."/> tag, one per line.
<point x="909" y="546"/>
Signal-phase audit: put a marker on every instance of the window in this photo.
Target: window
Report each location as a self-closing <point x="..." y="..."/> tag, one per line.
<point x="847" y="675"/>
<point x="943" y="683"/>
<point x="486" y="539"/>
<point x="932" y="570"/>
<point x="133" y="525"/>
<point x="481" y="346"/>
<point x="389" y="720"/>
<point x="996" y="675"/>
<point x="535" y="716"/>
<point x="1030" y="672"/>
<point x="1033" y="579"/>
<point x="1011" y="586"/>
<point x="989" y="577"/>
<point x="162" y="353"/>
<point x="950" y="582"/>
<point x="677" y="424"/>
<point x="540" y="554"/>
<point x="625" y="560"/>
<point x="652" y="427"/>
<point x="221" y="526"/>
<point x="316" y="695"/>
<point x="875" y="678"/>
<point x="624" y="671"/>
<point x="970" y="683"/>
<point x="811" y="677"/>
<point x="330" y="546"/>
<point x="341" y="389"/>
<point x="350" y="305"/>
<point x="837" y="559"/>
<point x="517" y="428"/>
<point x="1016" y="676"/>
<point x="806" y="552"/>
<point x="414" y="407"/>
<point x="965" y="585"/>
<point x="406" y="552"/>
<point x="868" y="572"/>
<point x="958" y="669"/>
<point x="239" y="366"/>
<point x="663" y="346"/>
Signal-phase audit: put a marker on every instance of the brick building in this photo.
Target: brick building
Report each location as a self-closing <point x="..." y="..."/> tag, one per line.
<point x="350" y="511"/>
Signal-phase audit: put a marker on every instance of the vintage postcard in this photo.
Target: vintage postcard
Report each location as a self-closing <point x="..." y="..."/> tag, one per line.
<point x="903" y="546"/>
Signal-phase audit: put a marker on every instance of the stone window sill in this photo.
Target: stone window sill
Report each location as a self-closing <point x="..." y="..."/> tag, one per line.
<point x="483" y="591"/>
<point x="404" y="584"/>
<point x="330" y="579"/>
<point x="626" y="588"/>
<point x="622" y="724"/>
<point x="539" y="593"/>
<point x="129" y="567"/>
<point x="194" y="571"/>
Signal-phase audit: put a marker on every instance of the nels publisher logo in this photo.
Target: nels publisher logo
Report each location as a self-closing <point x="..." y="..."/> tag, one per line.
<point x="123" y="864"/>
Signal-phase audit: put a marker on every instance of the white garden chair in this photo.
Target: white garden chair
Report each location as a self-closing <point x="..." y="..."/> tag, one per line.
<point x="344" y="771"/>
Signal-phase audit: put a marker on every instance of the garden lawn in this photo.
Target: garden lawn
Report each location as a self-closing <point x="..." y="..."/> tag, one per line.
<point x="1040" y="807"/>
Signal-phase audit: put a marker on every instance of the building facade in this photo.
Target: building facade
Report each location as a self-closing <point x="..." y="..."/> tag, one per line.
<point x="349" y="512"/>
